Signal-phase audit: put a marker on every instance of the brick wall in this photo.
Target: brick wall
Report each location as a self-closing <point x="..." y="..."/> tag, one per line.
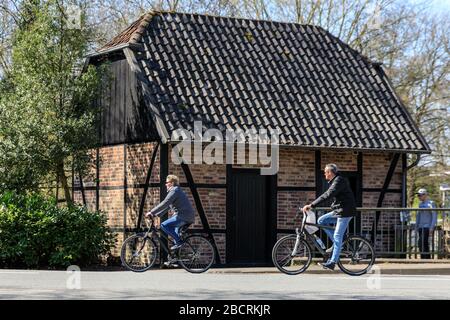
<point x="345" y="160"/>
<point x="138" y="161"/>
<point x="375" y="168"/>
<point x="297" y="169"/>
<point x="111" y="171"/>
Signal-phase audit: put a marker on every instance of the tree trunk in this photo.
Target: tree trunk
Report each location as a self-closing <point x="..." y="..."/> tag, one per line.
<point x="411" y="186"/>
<point x="64" y="184"/>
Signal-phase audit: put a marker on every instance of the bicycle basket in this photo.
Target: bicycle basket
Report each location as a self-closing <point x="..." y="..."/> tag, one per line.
<point x="310" y="218"/>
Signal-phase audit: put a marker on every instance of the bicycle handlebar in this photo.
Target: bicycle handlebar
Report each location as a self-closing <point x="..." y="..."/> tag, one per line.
<point x="149" y="220"/>
<point x="299" y="211"/>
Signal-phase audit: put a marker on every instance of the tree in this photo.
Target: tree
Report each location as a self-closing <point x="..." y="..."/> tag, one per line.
<point x="47" y="115"/>
<point x="410" y="41"/>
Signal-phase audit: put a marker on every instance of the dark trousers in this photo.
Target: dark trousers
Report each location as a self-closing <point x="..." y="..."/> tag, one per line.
<point x="424" y="244"/>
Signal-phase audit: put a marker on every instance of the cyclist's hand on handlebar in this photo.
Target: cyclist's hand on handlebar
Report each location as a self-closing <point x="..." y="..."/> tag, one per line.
<point x="306" y="208"/>
<point x="149" y="215"/>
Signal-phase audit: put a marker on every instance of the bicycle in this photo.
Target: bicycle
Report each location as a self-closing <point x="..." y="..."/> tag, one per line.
<point x="292" y="254"/>
<point x="139" y="252"/>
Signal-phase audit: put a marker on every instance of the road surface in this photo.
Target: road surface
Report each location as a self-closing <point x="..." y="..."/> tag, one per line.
<point x="178" y="284"/>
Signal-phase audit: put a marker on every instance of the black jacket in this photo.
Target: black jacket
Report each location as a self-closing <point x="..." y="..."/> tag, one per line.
<point x="343" y="199"/>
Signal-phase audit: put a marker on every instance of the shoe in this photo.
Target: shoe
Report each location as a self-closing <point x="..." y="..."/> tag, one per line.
<point x="328" y="265"/>
<point x="169" y="264"/>
<point x="176" y="246"/>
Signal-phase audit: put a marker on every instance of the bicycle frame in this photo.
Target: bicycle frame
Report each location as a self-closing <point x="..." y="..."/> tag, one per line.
<point x="310" y="236"/>
<point x="152" y="230"/>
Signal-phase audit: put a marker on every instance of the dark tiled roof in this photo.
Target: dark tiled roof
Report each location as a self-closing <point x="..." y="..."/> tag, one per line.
<point x="238" y="74"/>
<point x="132" y="34"/>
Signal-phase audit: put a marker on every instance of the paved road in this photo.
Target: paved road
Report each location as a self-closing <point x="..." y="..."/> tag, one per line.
<point x="178" y="284"/>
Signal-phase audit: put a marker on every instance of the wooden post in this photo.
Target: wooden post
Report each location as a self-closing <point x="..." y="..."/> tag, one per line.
<point x="147" y="184"/>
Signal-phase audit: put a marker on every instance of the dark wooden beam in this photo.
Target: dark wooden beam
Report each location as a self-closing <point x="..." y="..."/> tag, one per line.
<point x="200" y="210"/>
<point x="285" y="188"/>
<point x="110" y="188"/>
<point x="219" y="231"/>
<point x="206" y="185"/>
<point x="286" y="231"/>
<point x="387" y="181"/>
<point x="273" y="215"/>
<point x="163" y="170"/>
<point x="190" y="231"/>
<point x="359" y="186"/>
<point x="147" y="183"/>
<point x="83" y="194"/>
<point x="404" y="180"/>
<point x="318" y="171"/>
<point x="378" y="190"/>
<point x="359" y="191"/>
<point x="229" y="214"/>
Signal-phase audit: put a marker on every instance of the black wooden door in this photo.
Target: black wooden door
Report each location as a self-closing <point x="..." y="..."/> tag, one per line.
<point x="249" y="225"/>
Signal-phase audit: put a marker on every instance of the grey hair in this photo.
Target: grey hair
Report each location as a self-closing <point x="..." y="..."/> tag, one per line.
<point x="332" y="167"/>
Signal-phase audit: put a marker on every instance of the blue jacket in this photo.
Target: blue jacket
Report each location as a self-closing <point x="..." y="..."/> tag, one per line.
<point x="177" y="200"/>
<point x="426" y="219"/>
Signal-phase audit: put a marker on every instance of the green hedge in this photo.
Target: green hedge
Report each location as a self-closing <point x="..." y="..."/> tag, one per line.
<point x="35" y="233"/>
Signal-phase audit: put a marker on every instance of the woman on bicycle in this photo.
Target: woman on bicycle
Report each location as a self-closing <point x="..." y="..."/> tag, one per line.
<point x="344" y="208"/>
<point x="176" y="200"/>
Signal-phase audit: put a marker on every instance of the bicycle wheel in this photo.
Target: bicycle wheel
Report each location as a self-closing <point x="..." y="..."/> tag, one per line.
<point x="357" y="256"/>
<point x="138" y="253"/>
<point x="288" y="261"/>
<point x="196" y="255"/>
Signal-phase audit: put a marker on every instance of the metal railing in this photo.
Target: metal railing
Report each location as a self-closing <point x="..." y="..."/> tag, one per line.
<point x="394" y="234"/>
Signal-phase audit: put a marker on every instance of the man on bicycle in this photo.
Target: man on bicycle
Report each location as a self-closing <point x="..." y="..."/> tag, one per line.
<point x="176" y="200"/>
<point x="344" y="208"/>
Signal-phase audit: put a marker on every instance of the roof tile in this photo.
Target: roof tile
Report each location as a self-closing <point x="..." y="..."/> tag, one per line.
<point x="318" y="90"/>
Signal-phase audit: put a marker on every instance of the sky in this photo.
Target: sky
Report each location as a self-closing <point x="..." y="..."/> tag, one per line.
<point x="437" y="6"/>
